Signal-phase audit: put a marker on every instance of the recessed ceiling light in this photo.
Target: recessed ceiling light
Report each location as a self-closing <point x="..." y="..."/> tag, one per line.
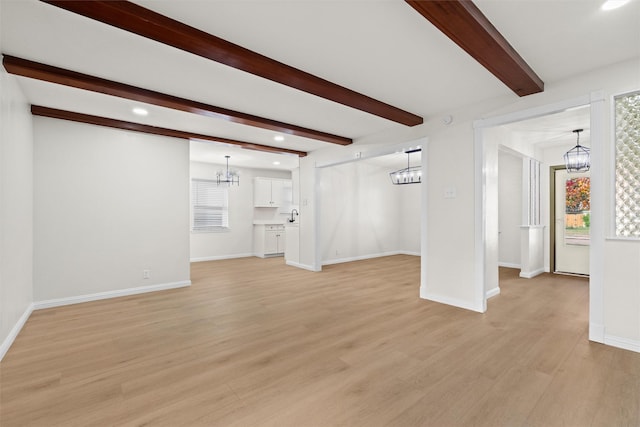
<point x="613" y="4"/>
<point x="276" y="163"/>
<point x="140" y="111"/>
<point x="278" y="138"/>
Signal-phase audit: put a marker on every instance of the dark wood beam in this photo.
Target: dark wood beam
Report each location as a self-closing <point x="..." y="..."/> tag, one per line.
<point x="36" y="70"/>
<point x="154" y="130"/>
<point x="147" y="23"/>
<point x="463" y="23"/>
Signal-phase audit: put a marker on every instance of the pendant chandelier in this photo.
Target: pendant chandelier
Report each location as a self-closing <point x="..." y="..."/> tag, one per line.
<point x="408" y="175"/>
<point x="230" y="177"/>
<point x="578" y="158"/>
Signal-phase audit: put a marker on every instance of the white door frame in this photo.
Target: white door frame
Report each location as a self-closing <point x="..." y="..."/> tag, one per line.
<point x="596" y="100"/>
<point x="368" y="153"/>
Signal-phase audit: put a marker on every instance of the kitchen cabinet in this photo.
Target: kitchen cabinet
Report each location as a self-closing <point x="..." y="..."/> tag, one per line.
<point x="268" y="192"/>
<point x="268" y="240"/>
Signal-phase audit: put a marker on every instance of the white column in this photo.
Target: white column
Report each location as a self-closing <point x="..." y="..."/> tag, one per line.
<point x="532" y="233"/>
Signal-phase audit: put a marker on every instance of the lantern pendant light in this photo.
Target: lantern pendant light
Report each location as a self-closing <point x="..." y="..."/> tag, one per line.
<point x="578" y="158"/>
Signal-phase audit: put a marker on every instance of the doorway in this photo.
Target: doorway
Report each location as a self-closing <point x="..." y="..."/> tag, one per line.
<point x="486" y="240"/>
<point x="570" y="223"/>
<point x="322" y="208"/>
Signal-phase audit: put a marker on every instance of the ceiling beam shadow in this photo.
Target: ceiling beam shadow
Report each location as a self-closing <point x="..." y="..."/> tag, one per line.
<point x="36" y="70"/>
<point x="54" y="113"/>
<point x="464" y="24"/>
<point x="147" y="23"/>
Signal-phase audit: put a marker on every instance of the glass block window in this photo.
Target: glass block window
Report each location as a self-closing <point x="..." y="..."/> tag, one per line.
<point x="627" y="139"/>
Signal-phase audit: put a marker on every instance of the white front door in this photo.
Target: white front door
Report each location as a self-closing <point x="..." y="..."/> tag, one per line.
<point x="572" y="222"/>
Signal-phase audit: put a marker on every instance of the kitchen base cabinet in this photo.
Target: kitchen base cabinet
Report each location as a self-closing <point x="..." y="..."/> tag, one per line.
<point x="268" y="240"/>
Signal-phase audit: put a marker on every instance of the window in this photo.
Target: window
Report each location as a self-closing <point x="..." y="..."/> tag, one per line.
<point x="577" y="211"/>
<point x="627" y="139"/>
<point x="210" y="206"/>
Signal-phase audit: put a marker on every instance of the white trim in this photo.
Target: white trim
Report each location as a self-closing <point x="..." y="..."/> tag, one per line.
<point x="623" y="343"/>
<point x="480" y="217"/>
<point x="6" y="344"/>
<point x="411" y="253"/>
<point x="531" y="274"/>
<point x="449" y="301"/>
<point x="622" y="239"/>
<point x="424" y="219"/>
<point x="508" y="265"/>
<point x="302" y="266"/>
<point x="493" y="292"/>
<point x="220" y="257"/>
<point x="39" y="305"/>
<point x="598" y="210"/>
<point x="596" y="333"/>
<point x="363" y="257"/>
<point x="540" y="111"/>
<point x="317" y="211"/>
<point x="376" y="151"/>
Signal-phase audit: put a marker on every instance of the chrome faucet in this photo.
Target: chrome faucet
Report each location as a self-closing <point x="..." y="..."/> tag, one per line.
<point x="292" y="219"/>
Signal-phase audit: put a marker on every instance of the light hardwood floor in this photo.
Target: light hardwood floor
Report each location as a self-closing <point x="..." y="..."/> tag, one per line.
<point x="256" y="343"/>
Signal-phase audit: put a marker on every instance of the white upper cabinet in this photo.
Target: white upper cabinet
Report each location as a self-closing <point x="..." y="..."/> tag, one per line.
<point x="271" y="193"/>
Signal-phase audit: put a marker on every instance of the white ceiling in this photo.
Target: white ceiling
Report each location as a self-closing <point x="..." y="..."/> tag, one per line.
<point x="381" y="48"/>
<point x="553" y="129"/>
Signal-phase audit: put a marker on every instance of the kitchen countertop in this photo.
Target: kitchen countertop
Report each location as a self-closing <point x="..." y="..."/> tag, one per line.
<point x="268" y="222"/>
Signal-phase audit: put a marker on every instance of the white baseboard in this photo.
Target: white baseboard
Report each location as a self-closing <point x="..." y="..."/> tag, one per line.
<point x="109" y="294"/>
<point x="409" y="253"/>
<point x="508" y="265"/>
<point x="531" y="274"/>
<point x="303" y="266"/>
<point x="449" y="301"/>
<point x="493" y="292"/>
<point x="6" y="344"/>
<point x="220" y="257"/>
<point x="368" y="256"/>
<point x="624" y="343"/>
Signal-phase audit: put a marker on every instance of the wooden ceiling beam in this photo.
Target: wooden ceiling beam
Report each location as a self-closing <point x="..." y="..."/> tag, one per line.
<point x="147" y="23"/>
<point x="36" y="70"/>
<point x="154" y="130"/>
<point x="466" y="25"/>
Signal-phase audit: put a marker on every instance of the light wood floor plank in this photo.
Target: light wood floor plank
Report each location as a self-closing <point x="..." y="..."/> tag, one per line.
<point x="254" y="342"/>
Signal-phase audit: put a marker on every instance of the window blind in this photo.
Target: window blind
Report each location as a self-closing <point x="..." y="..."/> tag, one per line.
<point x="210" y="205"/>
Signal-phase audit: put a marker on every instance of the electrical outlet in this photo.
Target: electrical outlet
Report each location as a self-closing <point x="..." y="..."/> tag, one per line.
<point x="146" y="274"/>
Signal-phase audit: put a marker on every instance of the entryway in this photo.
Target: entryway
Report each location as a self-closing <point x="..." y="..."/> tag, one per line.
<point x="488" y="136"/>
<point x="571" y="220"/>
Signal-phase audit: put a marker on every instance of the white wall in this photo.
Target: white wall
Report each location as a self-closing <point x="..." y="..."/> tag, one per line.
<point x="364" y="215"/>
<point x="108" y="205"/>
<point x="238" y="240"/>
<point x="16" y="210"/>
<point x="509" y="208"/>
<point x="450" y="227"/>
